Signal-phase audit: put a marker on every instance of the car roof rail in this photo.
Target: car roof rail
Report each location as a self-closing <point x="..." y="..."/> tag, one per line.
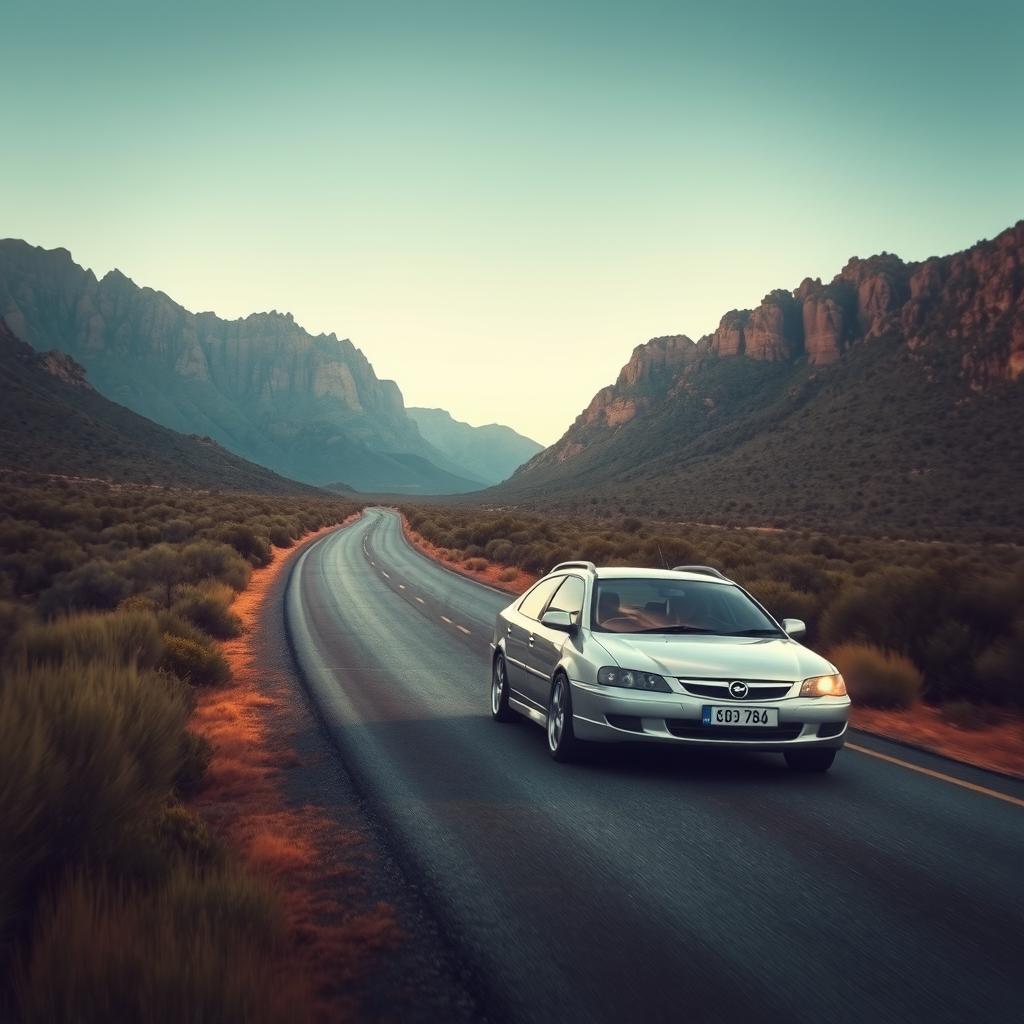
<point x="704" y="570"/>
<point x="589" y="566"/>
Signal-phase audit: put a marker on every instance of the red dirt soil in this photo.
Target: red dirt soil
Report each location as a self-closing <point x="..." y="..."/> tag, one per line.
<point x="998" y="747"/>
<point x="310" y="859"/>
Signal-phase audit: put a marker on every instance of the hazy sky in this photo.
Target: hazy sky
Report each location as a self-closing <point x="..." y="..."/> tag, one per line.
<point x="497" y="201"/>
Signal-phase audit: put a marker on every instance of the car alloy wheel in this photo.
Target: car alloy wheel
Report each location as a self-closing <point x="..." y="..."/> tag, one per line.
<point x="500" y="711"/>
<point x="562" y="743"/>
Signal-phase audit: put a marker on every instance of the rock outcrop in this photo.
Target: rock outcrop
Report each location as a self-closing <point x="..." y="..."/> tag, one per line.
<point x="973" y="300"/>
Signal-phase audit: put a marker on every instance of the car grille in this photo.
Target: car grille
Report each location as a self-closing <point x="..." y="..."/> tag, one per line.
<point x="687" y="728"/>
<point x="720" y="691"/>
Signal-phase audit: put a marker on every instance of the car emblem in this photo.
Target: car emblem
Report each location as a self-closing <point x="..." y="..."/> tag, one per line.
<point x="738" y="689"/>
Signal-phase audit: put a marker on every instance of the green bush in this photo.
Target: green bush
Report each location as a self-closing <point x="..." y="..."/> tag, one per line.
<point x="207" y="607"/>
<point x="876" y="677"/>
<point x="123" y="637"/>
<point x="195" y="663"/>
<point x="85" y="748"/>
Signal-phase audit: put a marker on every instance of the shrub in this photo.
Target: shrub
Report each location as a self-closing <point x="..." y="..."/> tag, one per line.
<point x="966" y="715"/>
<point x="207" y="559"/>
<point x="175" y="625"/>
<point x="786" y="603"/>
<point x="95" y="585"/>
<point x="877" y="677"/>
<point x="476" y="564"/>
<point x="121" y="637"/>
<point x="85" y="748"/>
<point x="207" y="608"/>
<point x="196" y="754"/>
<point x="195" y="663"/>
<point x="508" y="575"/>
<point x="1000" y="669"/>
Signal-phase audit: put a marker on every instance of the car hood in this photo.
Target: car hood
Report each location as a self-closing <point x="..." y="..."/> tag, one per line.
<point x="714" y="657"/>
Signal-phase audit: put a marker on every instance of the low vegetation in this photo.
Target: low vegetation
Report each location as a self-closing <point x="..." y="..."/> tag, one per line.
<point x="116" y="903"/>
<point x="943" y="618"/>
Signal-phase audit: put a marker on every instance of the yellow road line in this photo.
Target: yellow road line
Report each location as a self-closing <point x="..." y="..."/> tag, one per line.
<point x="936" y="775"/>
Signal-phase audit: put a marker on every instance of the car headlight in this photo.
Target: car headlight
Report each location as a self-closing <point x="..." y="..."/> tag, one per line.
<point x="824" y="686"/>
<point x="632" y="680"/>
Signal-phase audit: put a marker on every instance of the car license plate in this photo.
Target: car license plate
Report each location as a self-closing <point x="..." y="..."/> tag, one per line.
<point x="717" y="714"/>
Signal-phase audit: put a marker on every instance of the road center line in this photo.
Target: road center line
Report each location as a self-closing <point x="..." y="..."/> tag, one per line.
<point x="444" y="618"/>
<point x="421" y="601"/>
<point x="401" y="586"/>
<point x="936" y="775"/>
<point x="464" y="630"/>
<point x="385" y="575"/>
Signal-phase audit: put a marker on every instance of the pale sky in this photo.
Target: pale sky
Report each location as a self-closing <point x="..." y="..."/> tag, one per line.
<point x="497" y="201"/>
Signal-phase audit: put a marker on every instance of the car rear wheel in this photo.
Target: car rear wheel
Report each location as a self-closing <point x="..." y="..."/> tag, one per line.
<point x="562" y="742"/>
<point x="810" y="760"/>
<point x="500" y="711"/>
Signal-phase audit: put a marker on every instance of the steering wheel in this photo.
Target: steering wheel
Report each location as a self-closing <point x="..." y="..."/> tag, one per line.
<point x="624" y="620"/>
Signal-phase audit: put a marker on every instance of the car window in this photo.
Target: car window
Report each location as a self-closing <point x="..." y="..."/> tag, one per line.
<point x="533" y="604"/>
<point x="676" y="606"/>
<point x="569" y="598"/>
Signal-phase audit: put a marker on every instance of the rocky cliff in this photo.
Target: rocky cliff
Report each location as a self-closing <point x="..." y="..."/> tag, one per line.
<point x="948" y="331"/>
<point x="308" y="406"/>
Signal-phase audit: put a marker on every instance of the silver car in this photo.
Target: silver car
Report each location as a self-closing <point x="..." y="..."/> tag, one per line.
<point x="680" y="656"/>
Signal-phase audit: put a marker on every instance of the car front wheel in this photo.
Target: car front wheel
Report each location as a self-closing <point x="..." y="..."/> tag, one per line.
<point x="562" y="742"/>
<point x="810" y="760"/>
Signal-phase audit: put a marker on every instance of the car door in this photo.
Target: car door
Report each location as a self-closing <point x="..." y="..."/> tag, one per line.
<point x="545" y="649"/>
<point x="520" y="623"/>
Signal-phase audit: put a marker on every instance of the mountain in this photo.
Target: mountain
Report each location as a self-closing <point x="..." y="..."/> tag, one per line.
<point x="890" y="398"/>
<point x="53" y="421"/>
<point x="307" y="406"/>
<point x="491" y="452"/>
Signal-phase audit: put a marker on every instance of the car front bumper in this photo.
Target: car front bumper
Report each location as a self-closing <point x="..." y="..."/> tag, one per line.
<point x="606" y="715"/>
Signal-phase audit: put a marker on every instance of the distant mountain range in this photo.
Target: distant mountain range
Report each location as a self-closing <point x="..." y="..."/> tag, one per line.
<point x="891" y="397"/>
<point x="309" y="407"/>
<point x="53" y="421"/>
<point x="489" y="453"/>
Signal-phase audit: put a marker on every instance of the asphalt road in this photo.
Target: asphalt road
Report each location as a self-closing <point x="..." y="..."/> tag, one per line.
<point x="652" y="884"/>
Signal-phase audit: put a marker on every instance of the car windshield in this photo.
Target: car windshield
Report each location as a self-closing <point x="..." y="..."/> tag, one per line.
<point x="677" y="606"/>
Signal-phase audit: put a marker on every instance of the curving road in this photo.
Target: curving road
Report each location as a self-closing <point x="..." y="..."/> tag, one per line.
<point x="652" y="884"/>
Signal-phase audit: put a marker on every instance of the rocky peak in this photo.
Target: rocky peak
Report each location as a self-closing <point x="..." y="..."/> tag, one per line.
<point x="655" y="358"/>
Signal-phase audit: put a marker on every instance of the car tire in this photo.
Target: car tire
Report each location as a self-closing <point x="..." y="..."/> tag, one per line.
<point x="810" y="760"/>
<point x="562" y="743"/>
<point x="500" y="711"/>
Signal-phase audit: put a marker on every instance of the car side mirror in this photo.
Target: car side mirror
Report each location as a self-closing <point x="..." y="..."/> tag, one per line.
<point x="558" y="620"/>
<point x="795" y="628"/>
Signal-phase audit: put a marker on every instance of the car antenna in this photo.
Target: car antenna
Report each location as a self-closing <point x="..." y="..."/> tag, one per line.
<point x="664" y="564"/>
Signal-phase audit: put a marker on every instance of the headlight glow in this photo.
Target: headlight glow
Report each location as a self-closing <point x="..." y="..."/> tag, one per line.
<point x="824" y="686"/>
<point x="632" y="680"/>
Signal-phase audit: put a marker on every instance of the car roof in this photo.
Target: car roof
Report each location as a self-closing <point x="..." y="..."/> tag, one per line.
<point x="621" y="572"/>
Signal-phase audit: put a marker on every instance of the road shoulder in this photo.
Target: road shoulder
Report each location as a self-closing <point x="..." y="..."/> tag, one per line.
<point x="278" y="791"/>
